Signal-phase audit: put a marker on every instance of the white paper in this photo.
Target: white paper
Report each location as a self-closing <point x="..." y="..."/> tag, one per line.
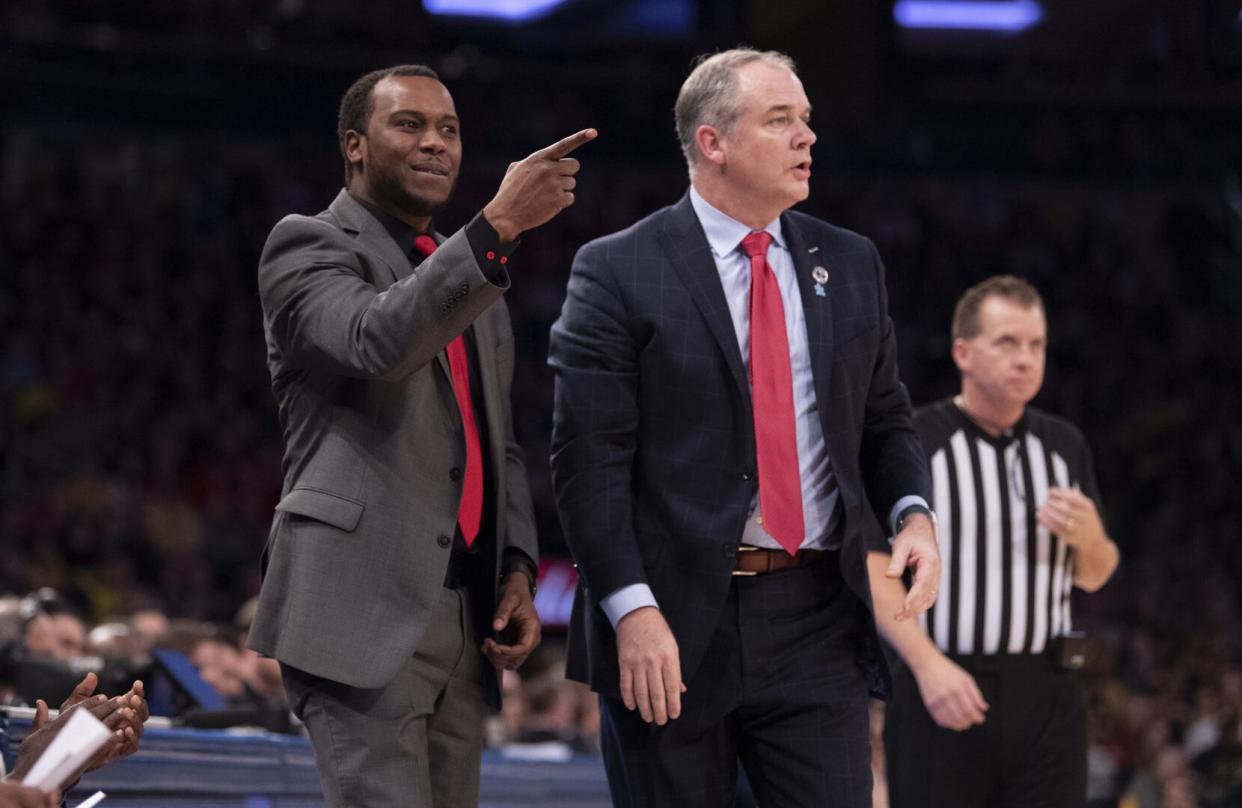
<point x="541" y="752"/>
<point x="76" y="743"/>
<point x="92" y="800"/>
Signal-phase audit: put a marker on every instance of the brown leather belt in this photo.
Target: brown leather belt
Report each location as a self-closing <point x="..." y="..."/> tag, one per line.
<point x="758" y="560"/>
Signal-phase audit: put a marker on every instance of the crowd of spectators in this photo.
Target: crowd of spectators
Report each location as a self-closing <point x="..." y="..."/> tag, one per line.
<point x="46" y="646"/>
<point x="140" y="452"/>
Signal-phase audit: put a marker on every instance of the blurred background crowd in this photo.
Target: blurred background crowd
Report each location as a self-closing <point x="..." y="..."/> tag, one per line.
<point x="147" y="148"/>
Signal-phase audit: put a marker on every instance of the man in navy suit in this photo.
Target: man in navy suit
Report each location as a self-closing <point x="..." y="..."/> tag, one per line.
<point x="730" y="437"/>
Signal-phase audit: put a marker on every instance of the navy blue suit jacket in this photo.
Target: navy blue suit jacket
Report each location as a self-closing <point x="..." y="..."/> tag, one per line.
<point x="653" y="444"/>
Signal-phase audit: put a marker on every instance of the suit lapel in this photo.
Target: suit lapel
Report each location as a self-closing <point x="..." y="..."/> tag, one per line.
<point x="817" y="309"/>
<point x="359" y="222"/>
<point x="687" y="250"/>
<point x="442" y="357"/>
<point x="371" y="234"/>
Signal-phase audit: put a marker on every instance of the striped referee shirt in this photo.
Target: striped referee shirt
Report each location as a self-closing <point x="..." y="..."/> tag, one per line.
<point x="1005" y="580"/>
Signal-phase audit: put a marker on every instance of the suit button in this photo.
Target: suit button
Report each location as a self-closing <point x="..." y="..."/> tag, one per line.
<point x="455" y="474"/>
<point x="746" y="475"/>
<point x="444" y="541"/>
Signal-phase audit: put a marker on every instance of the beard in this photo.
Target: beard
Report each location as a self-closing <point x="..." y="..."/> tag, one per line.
<point x="387" y="186"/>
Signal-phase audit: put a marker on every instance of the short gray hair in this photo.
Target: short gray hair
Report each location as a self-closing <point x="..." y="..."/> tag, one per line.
<point x="966" y="323"/>
<point x="709" y="93"/>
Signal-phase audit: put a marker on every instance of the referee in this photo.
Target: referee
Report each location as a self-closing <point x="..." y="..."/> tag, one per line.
<point x="987" y="710"/>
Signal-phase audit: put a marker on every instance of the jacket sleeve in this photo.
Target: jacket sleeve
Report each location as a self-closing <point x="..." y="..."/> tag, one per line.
<point x="595" y="424"/>
<point x="894" y="464"/>
<point x="324" y="315"/>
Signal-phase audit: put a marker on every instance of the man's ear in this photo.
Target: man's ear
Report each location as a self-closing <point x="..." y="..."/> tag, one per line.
<point x="355" y="147"/>
<point x="960" y="351"/>
<point x="710" y="144"/>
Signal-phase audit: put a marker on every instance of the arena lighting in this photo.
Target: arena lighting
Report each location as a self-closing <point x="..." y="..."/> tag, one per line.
<point x="508" y="10"/>
<point x="994" y="16"/>
<point x="558" y="578"/>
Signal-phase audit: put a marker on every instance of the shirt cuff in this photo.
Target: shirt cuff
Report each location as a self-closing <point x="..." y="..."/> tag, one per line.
<point x="625" y="600"/>
<point x="516" y="560"/>
<point x="491" y="253"/>
<point x="902" y="504"/>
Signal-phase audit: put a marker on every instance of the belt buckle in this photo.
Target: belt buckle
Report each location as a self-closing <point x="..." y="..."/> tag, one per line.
<point x="746" y="548"/>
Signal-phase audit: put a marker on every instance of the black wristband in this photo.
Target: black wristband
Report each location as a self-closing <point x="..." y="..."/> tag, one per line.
<point x="517" y="561"/>
<point x="911" y="510"/>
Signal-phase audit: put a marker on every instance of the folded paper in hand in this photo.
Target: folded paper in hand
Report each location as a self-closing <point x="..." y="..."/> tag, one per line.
<point x="76" y="743"/>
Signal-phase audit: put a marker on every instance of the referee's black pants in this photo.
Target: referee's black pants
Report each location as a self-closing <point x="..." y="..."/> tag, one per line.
<point x="1030" y="752"/>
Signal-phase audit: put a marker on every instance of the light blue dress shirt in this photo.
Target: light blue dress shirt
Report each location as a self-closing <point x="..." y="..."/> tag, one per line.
<point x="819" y="493"/>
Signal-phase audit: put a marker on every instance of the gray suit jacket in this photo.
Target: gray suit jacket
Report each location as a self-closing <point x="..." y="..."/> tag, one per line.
<point x="358" y="548"/>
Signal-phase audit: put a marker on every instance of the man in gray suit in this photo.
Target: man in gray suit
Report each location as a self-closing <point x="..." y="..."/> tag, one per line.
<point x="399" y="571"/>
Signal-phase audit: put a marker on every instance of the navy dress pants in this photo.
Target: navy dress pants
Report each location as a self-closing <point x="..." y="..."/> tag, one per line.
<point x="781" y="689"/>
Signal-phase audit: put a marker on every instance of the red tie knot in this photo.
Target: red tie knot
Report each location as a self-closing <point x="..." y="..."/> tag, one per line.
<point x="756" y="244"/>
<point x="425" y="245"/>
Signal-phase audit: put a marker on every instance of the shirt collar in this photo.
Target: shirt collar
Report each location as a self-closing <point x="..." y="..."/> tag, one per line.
<point x="1018" y="430"/>
<point x="401" y="232"/>
<point x="725" y="233"/>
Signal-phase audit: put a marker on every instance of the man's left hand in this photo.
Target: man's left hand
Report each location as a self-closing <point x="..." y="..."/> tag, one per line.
<point x="133" y="716"/>
<point x="124" y="715"/>
<point x="915" y="547"/>
<point x="1071" y="514"/>
<point x="516" y="624"/>
<point x="127" y="720"/>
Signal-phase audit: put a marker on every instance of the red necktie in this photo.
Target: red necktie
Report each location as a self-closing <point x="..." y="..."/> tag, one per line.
<point x="470" y="510"/>
<point x="771" y="381"/>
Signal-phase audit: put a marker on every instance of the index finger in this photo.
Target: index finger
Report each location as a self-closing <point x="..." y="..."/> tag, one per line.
<point x="563" y="147"/>
<point x="504" y="611"/>
<point x="104" y="709"/>
<point x="84" y="688"/>
<point x="898" y="560"/>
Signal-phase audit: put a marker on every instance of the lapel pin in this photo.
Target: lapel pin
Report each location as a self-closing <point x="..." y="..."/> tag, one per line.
<point x="812" y="249"/>
<point x="820" y="276"/>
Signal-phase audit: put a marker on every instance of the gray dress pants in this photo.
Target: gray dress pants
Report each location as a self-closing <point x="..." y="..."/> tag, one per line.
<point x="414" y="743"/>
